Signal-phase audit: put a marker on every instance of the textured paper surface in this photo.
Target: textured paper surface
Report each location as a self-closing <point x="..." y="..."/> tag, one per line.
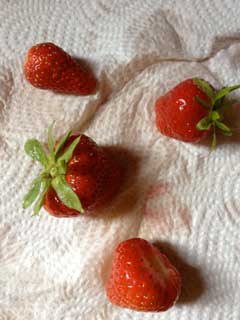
<point x="179" y="195"/>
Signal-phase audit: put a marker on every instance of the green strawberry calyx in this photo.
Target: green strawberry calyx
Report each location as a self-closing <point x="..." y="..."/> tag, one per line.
<point x="216" y="107"/>
<point x="54" y="165"/>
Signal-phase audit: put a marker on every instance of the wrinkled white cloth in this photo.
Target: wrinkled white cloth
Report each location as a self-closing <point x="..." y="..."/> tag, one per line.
<point x="179" y="195"/>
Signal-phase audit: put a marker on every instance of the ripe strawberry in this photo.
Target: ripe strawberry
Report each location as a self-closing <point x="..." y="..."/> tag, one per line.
<point x="142" y="278"/>
<point x="49" y="67"/>
<point x="78" y="176"/>
<point x="192" y="110"/>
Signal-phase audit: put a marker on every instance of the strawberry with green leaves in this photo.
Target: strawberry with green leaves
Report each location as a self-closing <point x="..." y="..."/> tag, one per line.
<point x="142" y="278"/>
<point x="77" y="177"/>
<point x="192" y="110"/>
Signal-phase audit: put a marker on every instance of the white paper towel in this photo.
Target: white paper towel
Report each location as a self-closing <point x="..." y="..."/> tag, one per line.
<point x="177" y="194"/>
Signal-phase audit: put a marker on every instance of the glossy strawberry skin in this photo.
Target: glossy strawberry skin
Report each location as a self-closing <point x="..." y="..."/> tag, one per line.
<point x="142" y="278"/>
<point x="93" y="175"/>
<point x="47" y="66"/>
<point x="178" y="112"/>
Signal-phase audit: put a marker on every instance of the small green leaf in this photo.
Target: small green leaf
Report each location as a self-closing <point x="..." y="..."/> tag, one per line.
<point x="32" y="194"/>
<point x="223" y="128"/>
<point x="62" y="167"/>
<point x="62" y="141"/>
<point x="205" y="86"/>
<point x="204" y="124"/>
<point x="51" y="141"/>
<point x="223" y="92"/>
<point x="203" y="102"/>
<point x="214" y="115"/>
<point x="66" y="194"/>
<point x="38" y="205"/>
<point x="34" y="149"/>
<point x="67" y="155"/>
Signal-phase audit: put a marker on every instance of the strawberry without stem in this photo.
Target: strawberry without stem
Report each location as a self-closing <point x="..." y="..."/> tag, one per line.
<point x="47" y="66"/>
<point x="192" y="110"/>
<point x="142" y="278"/>
<point x="78" y="176"/>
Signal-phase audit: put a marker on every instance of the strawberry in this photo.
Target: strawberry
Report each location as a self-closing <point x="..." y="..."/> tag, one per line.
<point x="192" y="110"/>
<point x="49" y="67"/>
<point x="78" y="176"/>
<point x="142" y="278"/>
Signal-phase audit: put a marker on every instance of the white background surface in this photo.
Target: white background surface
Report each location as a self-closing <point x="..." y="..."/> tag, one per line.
<point x="179" y="195"/>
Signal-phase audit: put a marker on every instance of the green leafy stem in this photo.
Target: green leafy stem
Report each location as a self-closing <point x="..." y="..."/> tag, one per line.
<point x="53" y="174"/>
<point x="216" y="105"/>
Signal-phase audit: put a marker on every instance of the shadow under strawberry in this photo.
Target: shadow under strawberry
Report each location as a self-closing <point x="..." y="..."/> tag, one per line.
<point x="129" y="191"/>
<point x="193" y="285"/>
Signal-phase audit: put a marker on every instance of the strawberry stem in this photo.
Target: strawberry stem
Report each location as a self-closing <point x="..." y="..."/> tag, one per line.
<point x="216" y="108"/>
<point x="53" y="174"/>
<point x="214" y="139"/>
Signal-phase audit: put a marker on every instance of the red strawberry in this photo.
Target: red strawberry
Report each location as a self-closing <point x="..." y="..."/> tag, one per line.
<point x="142" y="278"/>
<point x="78" y="176"/>
<point x="49" y="67"/>
<point x="191" y="109"/>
